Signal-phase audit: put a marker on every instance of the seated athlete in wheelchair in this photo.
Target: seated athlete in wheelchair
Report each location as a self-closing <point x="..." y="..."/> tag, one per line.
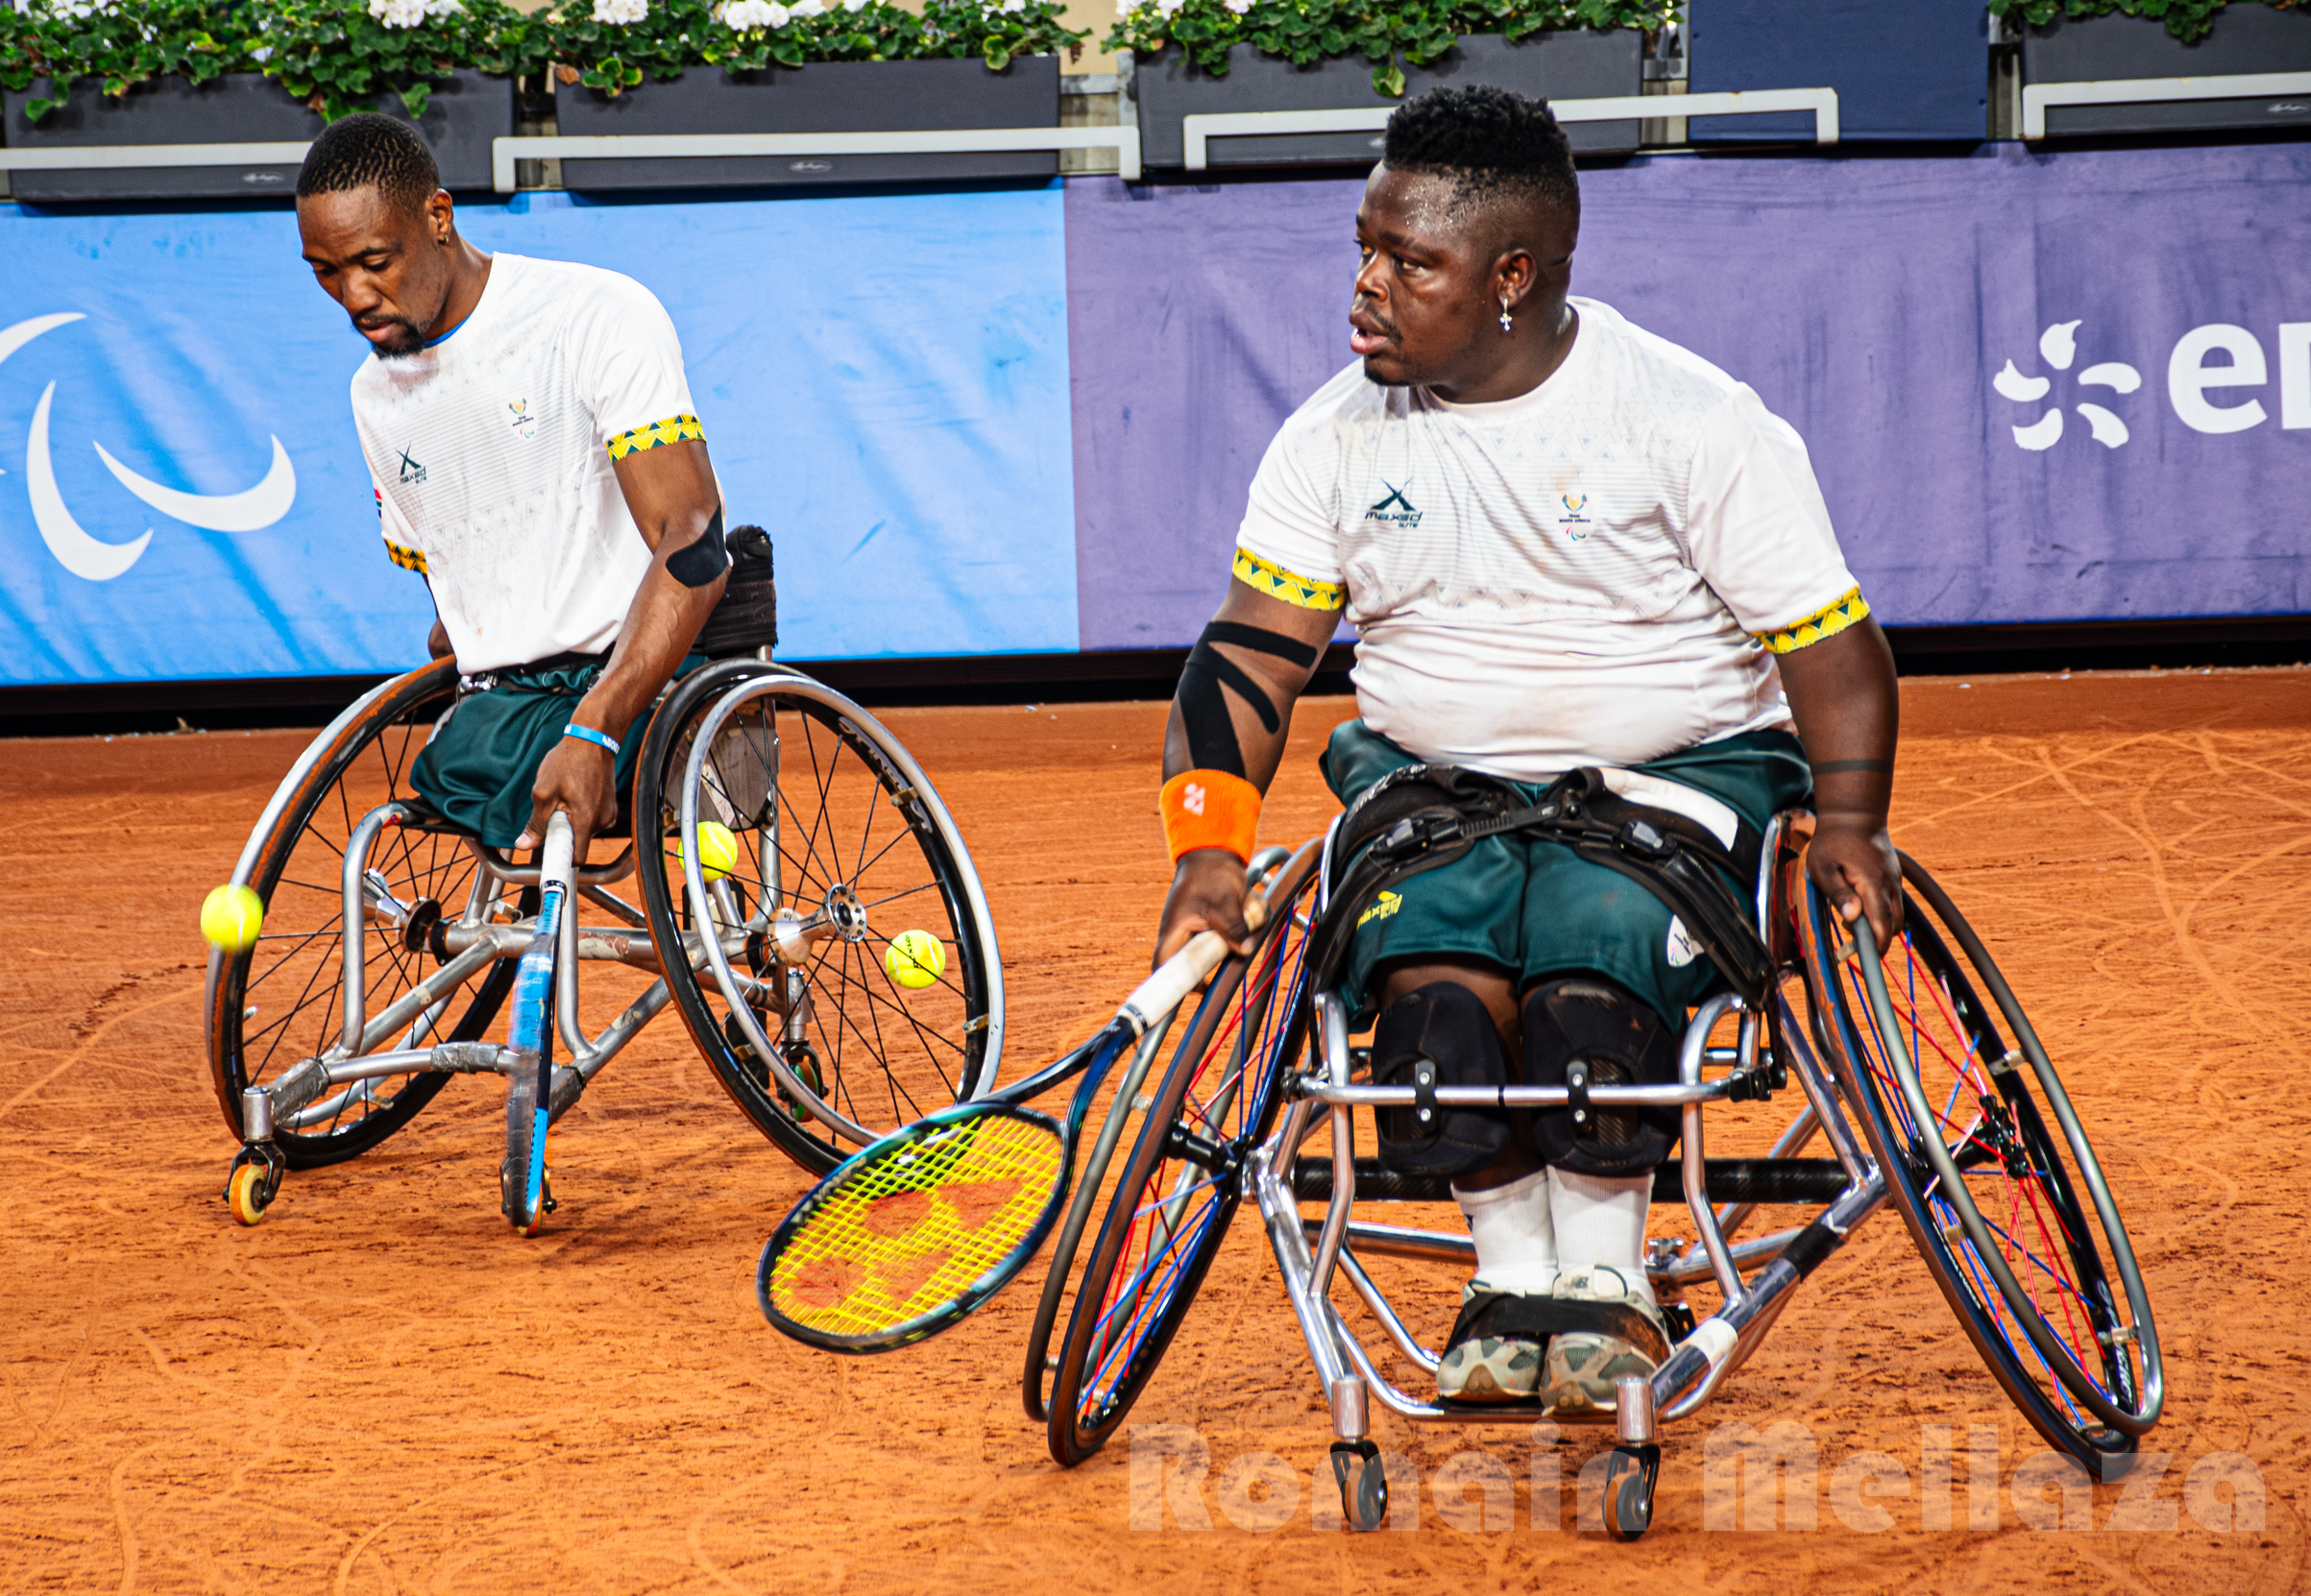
<point x="1608" y="656"/>
<point x="601" y="671"/>
<point x="1564" y="542"/>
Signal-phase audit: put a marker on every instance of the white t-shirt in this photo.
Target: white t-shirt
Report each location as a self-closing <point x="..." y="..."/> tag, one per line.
<point x="1599" y="572"/>
<point x="491" y="450"/>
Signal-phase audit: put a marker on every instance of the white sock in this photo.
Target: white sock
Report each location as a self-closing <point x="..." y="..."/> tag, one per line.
<point x="1602" y="1220"/>
<point x="1515" y="1244"/>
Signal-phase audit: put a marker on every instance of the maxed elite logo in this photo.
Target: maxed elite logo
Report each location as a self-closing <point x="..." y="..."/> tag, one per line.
<point x="1396" y="510"/>
<point x="2206" y="361"/>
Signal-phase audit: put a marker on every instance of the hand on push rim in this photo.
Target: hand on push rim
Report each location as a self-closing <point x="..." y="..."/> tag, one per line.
<point x="576" y="778"/>
<point x="1852" y="861"/>
<point x="1207" y="894"/>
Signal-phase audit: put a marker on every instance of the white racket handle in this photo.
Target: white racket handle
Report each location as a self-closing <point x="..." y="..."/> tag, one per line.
<point x="1184" y="971"/>
<point x="561" y="848"/>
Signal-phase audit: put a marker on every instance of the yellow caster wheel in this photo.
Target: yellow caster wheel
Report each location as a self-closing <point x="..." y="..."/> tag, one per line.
<point x="245" y="1193"/>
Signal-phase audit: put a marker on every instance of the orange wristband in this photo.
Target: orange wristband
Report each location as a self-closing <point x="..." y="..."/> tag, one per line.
<point x="1210" y="809"/>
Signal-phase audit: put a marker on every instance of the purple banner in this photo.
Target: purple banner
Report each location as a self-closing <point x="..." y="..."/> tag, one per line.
<point x="2036" y="387"/>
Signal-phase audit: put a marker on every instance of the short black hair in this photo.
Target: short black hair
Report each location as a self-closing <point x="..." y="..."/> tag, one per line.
<point x="1495" y="142"/>
<point x="367" y="150"/>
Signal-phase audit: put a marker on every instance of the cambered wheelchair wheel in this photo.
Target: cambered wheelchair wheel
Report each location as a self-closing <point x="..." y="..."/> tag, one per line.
<point x="1186" y="1174"/>
<point x="280" y="1002"/>
<point x="1990" y="1169"/>
<point x="842" y="847"/>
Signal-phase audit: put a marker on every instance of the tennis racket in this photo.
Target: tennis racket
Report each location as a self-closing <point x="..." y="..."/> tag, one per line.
<point x="914" y="1232"/>
<point x="529" y="1039"/>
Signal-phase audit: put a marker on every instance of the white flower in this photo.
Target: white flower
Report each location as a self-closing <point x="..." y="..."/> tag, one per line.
<point x="398" y="14"/>
<point x="1170" y="8"/>
<point x="1012" y="6"/>
<point x="263" y="52"/>
<point x="1239" y="7"/>
<point x="854" y="5"/>
<point x="745" y="17"/>
<point x="75" y="10"/>
<point x="808" y="8"/>
<point x="623" y="12"/>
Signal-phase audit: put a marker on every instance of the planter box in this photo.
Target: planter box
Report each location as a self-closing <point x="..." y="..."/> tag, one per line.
<point x="1914" y="71"/>
<point x="240" y="107"/>
<point x="1571" y="66"/>
<point x="892" y="96"/>
<point x="2246" y="38"/>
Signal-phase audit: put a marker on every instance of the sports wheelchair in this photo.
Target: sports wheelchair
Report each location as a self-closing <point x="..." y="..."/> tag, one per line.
<point x="393" y="939"/>
<point x="1917" y="1070"/>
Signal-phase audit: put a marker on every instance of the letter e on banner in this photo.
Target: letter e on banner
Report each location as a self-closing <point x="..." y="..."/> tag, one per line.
<point x="2189" y="377"/>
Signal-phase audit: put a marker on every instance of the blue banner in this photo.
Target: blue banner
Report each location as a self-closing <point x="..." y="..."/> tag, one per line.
<point x="883" y="382"/>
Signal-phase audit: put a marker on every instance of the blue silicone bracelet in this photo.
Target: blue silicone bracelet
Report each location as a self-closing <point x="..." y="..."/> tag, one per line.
<point x="587" y="733"/>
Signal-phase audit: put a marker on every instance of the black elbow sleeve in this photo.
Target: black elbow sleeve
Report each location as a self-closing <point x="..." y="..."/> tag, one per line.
<point x="703" y="560"/>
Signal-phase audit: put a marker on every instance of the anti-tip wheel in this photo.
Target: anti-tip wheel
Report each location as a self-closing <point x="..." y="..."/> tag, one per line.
<point x="1629" y="1480"/>
<point x="535" y="1225"/>
<point x="245" y="1194"/>
<point x="1363" y="1483"/>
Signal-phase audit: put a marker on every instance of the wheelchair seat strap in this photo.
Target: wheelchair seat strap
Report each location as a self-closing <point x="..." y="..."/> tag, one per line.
<point x="1676" y="859"/>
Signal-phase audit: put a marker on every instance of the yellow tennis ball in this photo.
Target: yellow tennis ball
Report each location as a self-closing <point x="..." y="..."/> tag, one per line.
<point x="230" y="917"/>
<point x="916" y="959"/>
<point x="718" y="850"/>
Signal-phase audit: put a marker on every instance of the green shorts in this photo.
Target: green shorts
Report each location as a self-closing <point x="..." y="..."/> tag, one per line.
<point x="482" y="761"/>
<point x="1536" y="910"/>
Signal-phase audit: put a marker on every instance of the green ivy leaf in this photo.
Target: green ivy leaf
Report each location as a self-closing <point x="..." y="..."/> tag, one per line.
<point x="1388" y="79"/>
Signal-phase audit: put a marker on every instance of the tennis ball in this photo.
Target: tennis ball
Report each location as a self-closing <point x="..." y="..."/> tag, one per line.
<point x="230" y="917"/>
<point x="718" y="850"/>
<point x="916" y="959"/>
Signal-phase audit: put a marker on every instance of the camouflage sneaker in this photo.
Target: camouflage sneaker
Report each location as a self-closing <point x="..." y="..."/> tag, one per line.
<point x="1490" y="1356"/>
<point x="1630" y="1336"/>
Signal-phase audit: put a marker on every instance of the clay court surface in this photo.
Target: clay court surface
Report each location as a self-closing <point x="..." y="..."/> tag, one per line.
<point x="382" y="1389"/>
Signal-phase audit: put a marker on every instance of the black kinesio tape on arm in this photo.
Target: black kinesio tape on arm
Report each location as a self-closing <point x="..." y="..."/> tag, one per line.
<point x="702" y="560"/>
<point x="1211" y="733"/>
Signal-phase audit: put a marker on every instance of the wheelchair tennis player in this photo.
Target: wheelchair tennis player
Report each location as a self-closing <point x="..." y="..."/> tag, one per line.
<point x="1564" y="542"/>
<point x="538" y="461"/>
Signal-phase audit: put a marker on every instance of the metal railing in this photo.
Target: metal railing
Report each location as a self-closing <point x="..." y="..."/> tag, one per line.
<point x="1123" y="139"/>
<point x="1199" y="130"/>
<point x="2131" y="91"/>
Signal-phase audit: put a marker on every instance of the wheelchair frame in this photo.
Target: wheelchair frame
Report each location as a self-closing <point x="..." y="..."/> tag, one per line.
<point x="318" y="1087"/>
<point x="2009" y="1139"/>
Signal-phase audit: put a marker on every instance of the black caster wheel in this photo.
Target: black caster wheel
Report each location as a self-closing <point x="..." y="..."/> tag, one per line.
<point x="254" y="1181"/>
<point x="1363" y="1483"/>
<point x="1629" y="1481"/>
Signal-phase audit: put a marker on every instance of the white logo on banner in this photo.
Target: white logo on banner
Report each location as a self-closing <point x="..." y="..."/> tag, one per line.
<point x="2058" y="348"/>
<point x="92" y="557"/>
<point x="2189" y="380"/>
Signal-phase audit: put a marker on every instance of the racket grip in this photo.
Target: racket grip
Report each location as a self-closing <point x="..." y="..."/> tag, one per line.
<point x="1174" y="979"/>
<point x="561" y="848"/>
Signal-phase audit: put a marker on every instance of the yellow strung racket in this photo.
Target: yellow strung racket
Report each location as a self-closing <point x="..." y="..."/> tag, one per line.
<point x="917" y="1230"/>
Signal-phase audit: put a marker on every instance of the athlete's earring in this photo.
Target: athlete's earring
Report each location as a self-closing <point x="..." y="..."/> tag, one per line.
<point x="1506" y="325"/>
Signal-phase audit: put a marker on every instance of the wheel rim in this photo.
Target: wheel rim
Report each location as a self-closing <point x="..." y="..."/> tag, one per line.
<point x="2037" y="1266"/>
<point x="291" y="977"/>
<point x="1178" y="1212"/>
<point x="862" y="853"/>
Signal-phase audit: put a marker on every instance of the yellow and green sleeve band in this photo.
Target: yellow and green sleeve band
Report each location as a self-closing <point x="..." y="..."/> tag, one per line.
<point x="1827" y="621"/>
<point x="408" y="559"/>
<point x="1276" y="582"/>
<point x="674" y="429"/>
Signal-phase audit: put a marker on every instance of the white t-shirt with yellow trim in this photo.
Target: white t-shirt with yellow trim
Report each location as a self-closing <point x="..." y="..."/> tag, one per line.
<point x="1599" y="572"/>
<point x="491" y="451"/>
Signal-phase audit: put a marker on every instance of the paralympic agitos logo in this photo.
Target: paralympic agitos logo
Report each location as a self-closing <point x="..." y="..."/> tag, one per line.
<point x="2206" y="361"/>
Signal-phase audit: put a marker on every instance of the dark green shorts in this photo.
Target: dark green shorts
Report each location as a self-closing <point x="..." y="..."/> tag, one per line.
<point x="483" y="759"/>
<point x="1536" y="910"/>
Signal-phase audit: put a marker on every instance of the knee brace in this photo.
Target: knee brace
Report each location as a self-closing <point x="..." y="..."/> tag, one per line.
<point x="1624" y="1044"/>
<point x="1441" y="1035"/>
